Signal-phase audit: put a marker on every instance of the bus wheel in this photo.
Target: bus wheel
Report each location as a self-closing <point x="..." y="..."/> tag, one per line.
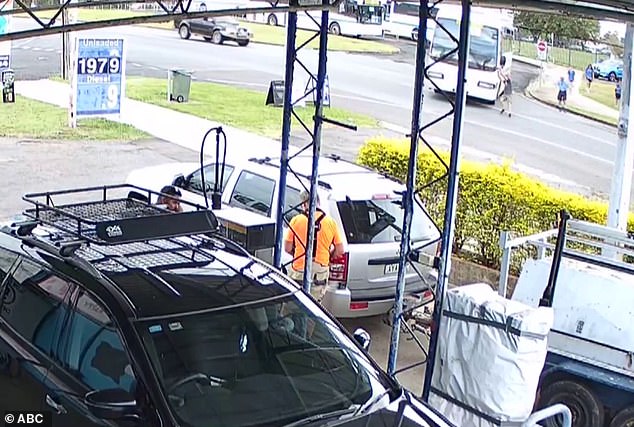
<point x="625" y="418"/>
<point x="586" y="409"/>
<point x="272" y="20"/>
<point x="334" y="29"/>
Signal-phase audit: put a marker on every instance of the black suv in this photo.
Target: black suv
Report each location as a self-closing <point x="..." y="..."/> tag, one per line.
<point x="117" y="312"/>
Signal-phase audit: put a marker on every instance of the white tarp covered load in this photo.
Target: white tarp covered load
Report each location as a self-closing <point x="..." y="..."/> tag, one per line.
<point x="491" y="352"/>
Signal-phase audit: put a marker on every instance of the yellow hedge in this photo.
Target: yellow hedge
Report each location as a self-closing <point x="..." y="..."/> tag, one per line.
<point x="492" y="198"/>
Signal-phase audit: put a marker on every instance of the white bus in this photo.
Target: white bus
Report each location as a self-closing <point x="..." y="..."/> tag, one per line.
<point x="488" y="28"/>
<point x="352" y="19"/>
<point x="400" y="19"/>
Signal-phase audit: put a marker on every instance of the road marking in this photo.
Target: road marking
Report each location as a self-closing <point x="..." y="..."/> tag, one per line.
<point x="490" y="157"/>
<point x="556" y="126"/>
<point x="543" y="141"/>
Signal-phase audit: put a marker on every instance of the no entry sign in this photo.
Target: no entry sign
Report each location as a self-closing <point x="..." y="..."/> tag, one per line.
<point x="542" y="48"/>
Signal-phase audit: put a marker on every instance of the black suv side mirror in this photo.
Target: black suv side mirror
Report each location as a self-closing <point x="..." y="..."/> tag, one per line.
<point x="111" y="404"/>
<point x="179" y="181"/>
<point x="362" y="337"/>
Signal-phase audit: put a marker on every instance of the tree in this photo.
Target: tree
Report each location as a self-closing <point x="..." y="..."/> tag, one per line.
<point x="541" y="24"/>
<point x="615" y="42"/>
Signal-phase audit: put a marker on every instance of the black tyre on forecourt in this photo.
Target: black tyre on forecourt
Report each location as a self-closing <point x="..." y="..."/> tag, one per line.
<point x="272" y="20"/>
<point x="625" y="418"/>
<point x="586" y="408"/>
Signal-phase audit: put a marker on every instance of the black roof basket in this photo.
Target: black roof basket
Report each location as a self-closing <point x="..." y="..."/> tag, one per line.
<point x="115" y="214"/>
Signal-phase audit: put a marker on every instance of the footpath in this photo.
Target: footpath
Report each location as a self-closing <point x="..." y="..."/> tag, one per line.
<point x="163" y="123"/>
<point x="544" y="89"/>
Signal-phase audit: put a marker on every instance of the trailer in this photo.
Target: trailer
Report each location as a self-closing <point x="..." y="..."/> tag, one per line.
<point x="583" y="271"/>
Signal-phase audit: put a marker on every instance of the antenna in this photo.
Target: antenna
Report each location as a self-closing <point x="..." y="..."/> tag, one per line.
<point x="216" y="196"/>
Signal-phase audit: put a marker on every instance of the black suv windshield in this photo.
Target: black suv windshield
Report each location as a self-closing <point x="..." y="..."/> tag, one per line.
<point x="265" y="364"/>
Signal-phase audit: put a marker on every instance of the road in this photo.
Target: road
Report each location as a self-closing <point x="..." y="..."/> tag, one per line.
<point x="560" y="147"/>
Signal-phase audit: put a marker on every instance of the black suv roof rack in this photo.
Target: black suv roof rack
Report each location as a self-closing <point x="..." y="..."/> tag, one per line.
<point x="108" y="216"/>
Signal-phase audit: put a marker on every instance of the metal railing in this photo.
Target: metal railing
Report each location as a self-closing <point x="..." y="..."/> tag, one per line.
<point x="587" y="241"/>
<point x="551" y="411"/>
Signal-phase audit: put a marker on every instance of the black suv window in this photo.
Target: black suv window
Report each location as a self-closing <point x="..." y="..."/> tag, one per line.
<point x="253" y="192"/>
<point x="33" y="304"/>
<point x="93" y="350"/>
<point x="194" y="182"/>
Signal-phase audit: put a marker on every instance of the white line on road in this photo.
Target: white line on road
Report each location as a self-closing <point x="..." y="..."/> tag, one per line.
<point x="543" y="141"/>
<point x="489" y="157"/>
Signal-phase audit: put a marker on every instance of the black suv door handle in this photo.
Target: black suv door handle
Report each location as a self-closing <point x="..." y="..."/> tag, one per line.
<point x="53" y="404"/>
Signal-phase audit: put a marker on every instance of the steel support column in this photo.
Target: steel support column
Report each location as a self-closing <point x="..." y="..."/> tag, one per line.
<point x="318" y="119"/>
<point x="621" y="184"/>
<point x="291" y="32"/>
<point x="408" y="199"/>
<point x="452" y="194"/>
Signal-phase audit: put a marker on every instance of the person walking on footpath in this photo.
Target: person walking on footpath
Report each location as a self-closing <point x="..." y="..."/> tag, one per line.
<point x="504" y="74"/>
<point x="589" y="77"/>
<point x="571" y="76"/>
<point x="617" y="92"/>
<point x="328" y="244"/>
<point x="562" y="95"/>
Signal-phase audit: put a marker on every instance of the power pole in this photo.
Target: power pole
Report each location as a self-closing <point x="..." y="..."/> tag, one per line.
<point x="621" y="185"/>
<point x="65" y="46"/>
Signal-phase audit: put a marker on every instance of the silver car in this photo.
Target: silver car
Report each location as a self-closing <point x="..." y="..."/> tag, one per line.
<point x="366" y="205"/>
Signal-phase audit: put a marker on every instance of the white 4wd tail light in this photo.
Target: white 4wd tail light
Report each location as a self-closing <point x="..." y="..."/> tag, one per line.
<point x="339" y="268"/>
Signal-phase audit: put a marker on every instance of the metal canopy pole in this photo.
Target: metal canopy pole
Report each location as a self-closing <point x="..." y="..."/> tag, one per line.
<point x="408" y="197"/>
<point x="621" y="185"/>
<point x="318" y="119"/>
<point x="291" y="31"/>
<point x="452" y="190"/>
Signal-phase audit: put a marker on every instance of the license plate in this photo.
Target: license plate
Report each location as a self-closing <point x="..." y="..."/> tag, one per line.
<point x="391" y="269"/>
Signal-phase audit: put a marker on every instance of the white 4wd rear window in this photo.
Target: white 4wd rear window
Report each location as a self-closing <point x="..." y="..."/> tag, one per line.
<point x="380" y="221"/>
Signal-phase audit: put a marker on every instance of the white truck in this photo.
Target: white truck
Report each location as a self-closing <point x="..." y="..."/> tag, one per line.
<point x="585" y="277"/>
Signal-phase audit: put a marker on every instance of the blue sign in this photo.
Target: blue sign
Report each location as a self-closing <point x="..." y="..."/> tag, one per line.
<point x="100" y="76"/>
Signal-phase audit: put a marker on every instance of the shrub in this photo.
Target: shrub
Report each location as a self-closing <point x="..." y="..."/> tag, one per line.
<point x="492" y="198"/>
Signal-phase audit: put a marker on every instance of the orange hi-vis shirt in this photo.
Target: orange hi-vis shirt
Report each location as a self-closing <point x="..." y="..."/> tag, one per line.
<point x="328" y="234"/>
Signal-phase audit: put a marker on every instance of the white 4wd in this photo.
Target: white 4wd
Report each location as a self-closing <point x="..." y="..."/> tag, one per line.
<point x="365" y="205"/>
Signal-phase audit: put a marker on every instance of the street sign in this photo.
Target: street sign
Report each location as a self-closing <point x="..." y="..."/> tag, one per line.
<point x="542" y="49"/>
<point x="5" y="27"/>
<point x="99" y="76"/>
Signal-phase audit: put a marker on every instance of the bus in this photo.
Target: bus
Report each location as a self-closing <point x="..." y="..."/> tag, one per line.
<point x="400" y="19"/>
<point x="352" y="19"/>
<point x="487" y="30"/>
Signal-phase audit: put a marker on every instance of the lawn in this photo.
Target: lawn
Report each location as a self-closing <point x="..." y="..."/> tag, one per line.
<point x="576" y="59"/>
<point x="28" y="118"/>
<point x="604" y="119"/>
<point x="232" y="106"/>
<point x="602" y="92"/>
<point x="262" y="33"/>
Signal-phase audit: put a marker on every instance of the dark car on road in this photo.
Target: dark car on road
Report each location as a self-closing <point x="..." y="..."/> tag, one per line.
<point x="215" y="30"/>
<point x="115" y="311"/>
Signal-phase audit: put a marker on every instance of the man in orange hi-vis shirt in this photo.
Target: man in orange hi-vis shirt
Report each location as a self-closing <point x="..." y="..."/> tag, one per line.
<point x="328" y="244"/>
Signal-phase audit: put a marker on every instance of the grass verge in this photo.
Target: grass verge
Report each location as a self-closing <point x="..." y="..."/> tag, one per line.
<point x="262" y="33"/>
<point x="232" y="106"/>
<point x="27" y="118"/>
<point x="602" y="92"/>
<point x="268" y="34"/>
